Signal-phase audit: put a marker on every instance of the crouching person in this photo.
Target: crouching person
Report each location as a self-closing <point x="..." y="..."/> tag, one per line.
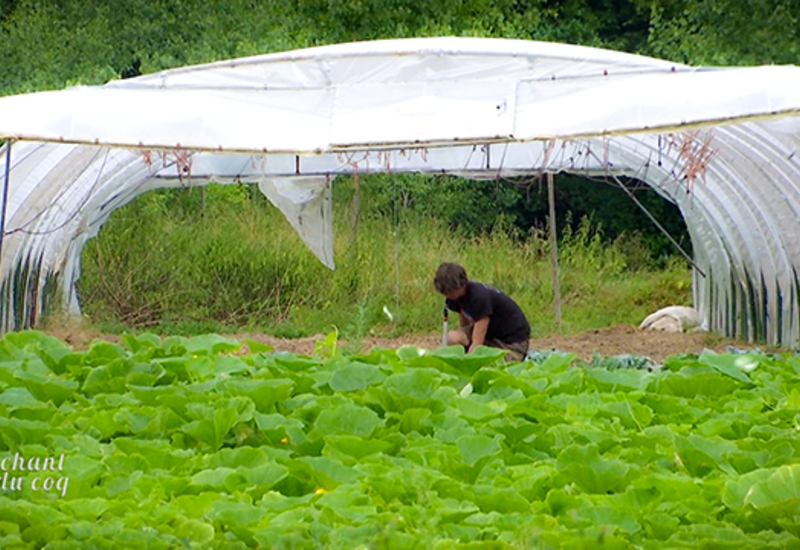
<point x="486" y="316"/>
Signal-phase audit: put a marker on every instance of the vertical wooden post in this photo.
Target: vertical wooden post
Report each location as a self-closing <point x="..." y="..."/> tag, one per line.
<point x="554" y="249"/>
<point x="355" y="208"/>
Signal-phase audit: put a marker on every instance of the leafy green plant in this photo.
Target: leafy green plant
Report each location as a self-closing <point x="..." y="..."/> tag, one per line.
<point x="187" y="442"/>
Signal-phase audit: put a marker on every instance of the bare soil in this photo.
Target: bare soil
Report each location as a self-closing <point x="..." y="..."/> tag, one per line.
<point x="616" y="340"/>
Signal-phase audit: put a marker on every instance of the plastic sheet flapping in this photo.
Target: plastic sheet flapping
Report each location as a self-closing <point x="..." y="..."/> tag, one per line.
<point x="306" y="203"/>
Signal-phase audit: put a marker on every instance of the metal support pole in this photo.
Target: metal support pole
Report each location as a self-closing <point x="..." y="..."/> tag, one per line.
<point x="5" y="197"/>
<point x="554" y="249"/>
<point x="6" y="305"/>
<point x="660" y="227"/>
<point x="444" y="326"/>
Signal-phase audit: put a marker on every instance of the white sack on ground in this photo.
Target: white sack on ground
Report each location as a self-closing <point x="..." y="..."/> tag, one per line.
<point x="672" y="319"/>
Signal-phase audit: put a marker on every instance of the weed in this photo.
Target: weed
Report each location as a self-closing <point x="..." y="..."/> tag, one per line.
<point x="710" y="339"/>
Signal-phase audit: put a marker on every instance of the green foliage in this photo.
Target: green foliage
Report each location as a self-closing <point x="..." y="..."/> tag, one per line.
<point x="191" y="256"/>
<point x="186" y="442"/>
<point x="192" y="260"/>
<point x="50" y="44"/>
<point x="716" y="32"/>
<point x="470" y="207"/>
<point x="519" y="207"/>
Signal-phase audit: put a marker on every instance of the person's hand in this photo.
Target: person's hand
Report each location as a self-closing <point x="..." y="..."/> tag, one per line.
<point x="479" y="333"/>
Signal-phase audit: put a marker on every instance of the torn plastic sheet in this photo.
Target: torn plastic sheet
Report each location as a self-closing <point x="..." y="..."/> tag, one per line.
<point x="306" y="204"/>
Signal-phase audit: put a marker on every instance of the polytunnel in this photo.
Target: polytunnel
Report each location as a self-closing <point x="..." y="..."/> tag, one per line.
<point x="720" y="143"/>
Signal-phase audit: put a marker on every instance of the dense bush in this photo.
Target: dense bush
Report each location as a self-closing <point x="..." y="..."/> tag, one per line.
<point x="519" y="207"/>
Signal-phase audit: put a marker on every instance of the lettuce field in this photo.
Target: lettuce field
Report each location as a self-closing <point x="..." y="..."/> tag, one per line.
<point x="193" y="443"/>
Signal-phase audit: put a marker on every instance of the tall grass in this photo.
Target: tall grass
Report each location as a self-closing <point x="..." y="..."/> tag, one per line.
<point x="223" y="258"/>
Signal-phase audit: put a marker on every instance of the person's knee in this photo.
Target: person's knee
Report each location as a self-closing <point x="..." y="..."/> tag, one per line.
<point x="457" y="338"/>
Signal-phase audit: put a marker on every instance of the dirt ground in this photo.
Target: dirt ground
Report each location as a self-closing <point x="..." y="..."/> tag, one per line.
<point x="610" y="341"/>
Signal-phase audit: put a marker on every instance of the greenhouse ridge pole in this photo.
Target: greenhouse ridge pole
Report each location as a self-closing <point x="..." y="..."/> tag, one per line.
<point x="554" y="249"/>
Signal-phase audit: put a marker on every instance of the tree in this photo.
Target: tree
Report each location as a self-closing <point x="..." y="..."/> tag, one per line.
<point x="719" y="32"/>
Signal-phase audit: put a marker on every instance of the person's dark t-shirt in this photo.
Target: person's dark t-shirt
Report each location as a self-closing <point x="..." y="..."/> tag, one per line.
<point x="507" y="322"/>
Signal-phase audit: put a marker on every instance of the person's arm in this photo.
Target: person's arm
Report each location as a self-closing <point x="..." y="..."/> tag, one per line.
<point x="463" y="320"/>
<point x="478" y="333"/>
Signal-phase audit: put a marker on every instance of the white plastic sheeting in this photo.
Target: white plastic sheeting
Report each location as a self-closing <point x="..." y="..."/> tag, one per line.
<point x="306" y="203"/>
<point x="720" y="143"/>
